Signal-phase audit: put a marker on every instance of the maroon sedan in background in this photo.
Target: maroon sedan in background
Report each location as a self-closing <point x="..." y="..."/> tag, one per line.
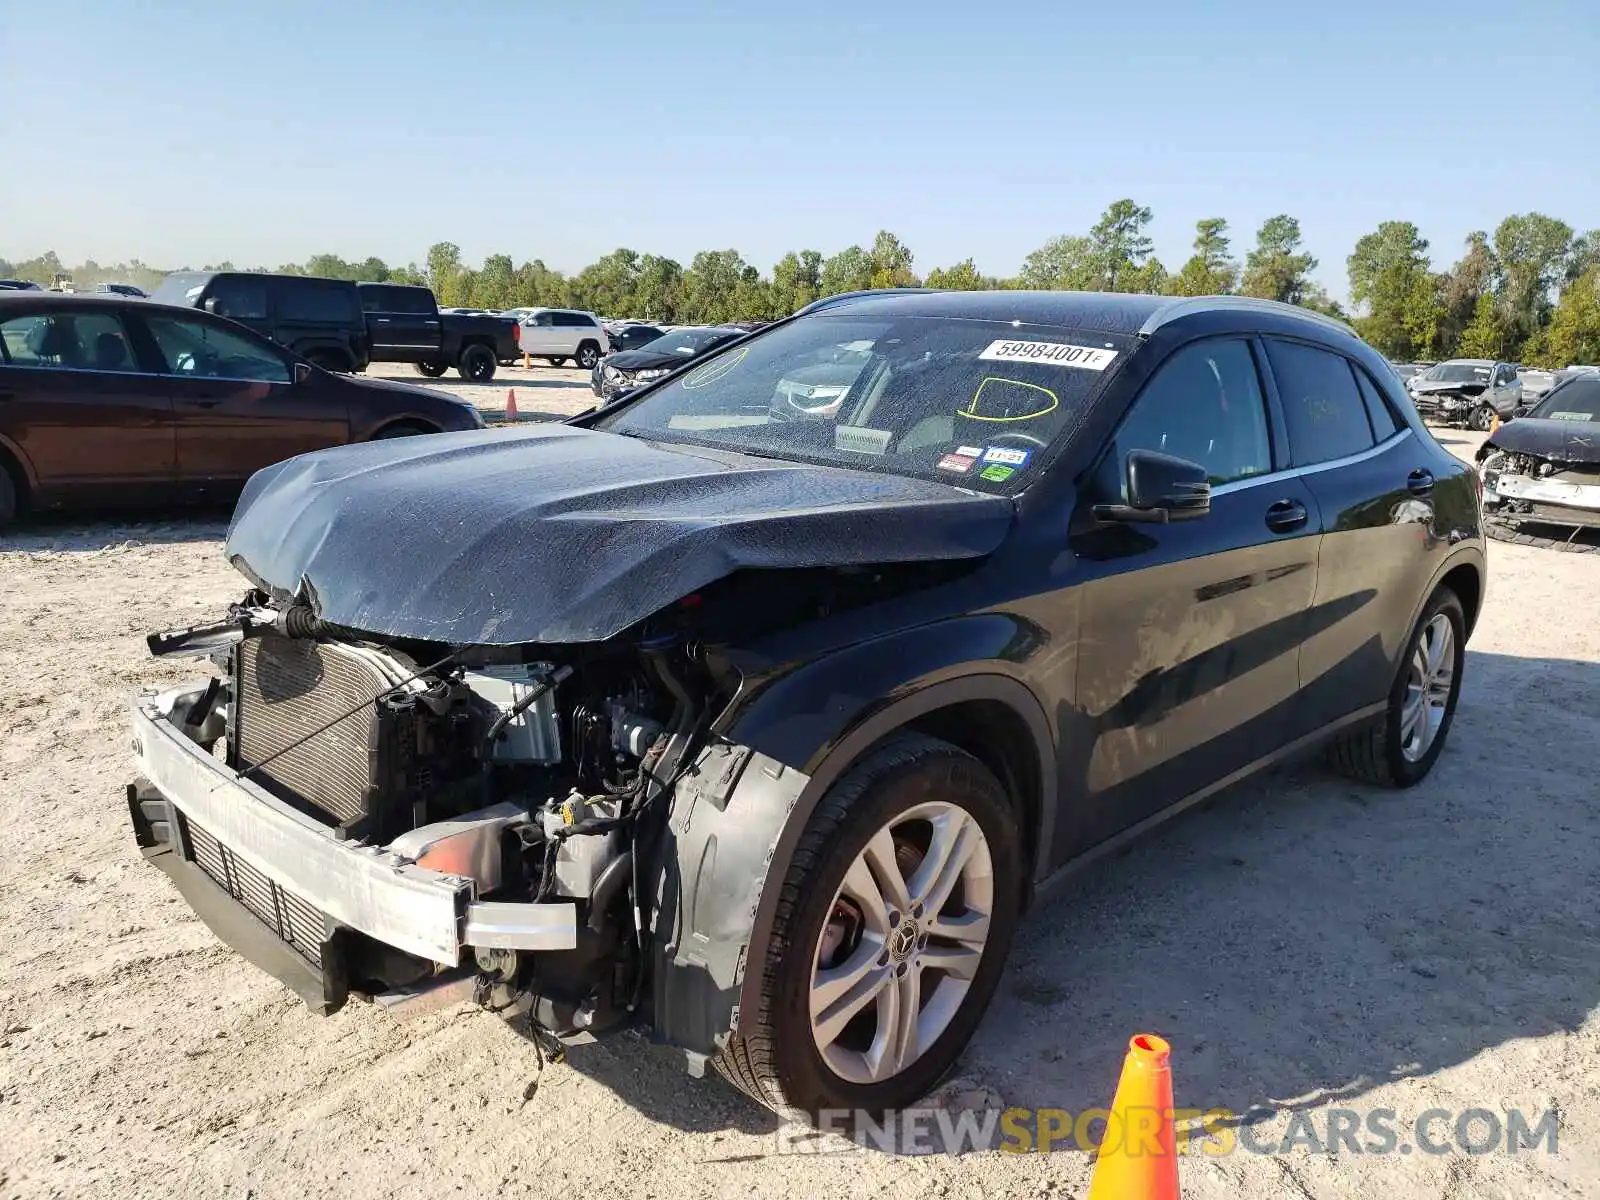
<point x="110" y="400"/>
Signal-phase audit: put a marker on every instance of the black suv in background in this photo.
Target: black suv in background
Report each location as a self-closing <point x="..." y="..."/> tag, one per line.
<point x="319" y="319"/>
<point x="406" y="324"/>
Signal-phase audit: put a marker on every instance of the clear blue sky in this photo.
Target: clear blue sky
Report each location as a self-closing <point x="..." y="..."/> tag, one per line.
<point x="183" y="131"/>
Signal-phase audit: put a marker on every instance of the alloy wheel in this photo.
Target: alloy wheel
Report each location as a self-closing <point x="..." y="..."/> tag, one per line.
<point x="1430" y="678"/>
<point x="905" y="935"/>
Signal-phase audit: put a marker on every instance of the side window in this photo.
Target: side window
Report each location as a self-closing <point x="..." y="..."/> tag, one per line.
<point x="86" y="341"/>
<point x="205" y="351"/>
<point x="239" y="296"/>
<point x="316" y="300"/>
<point x="1384" y="423"/>
<point x="413" y="301"/>
<point x="1203" y="404"/>
<point x="1322" y="408"/>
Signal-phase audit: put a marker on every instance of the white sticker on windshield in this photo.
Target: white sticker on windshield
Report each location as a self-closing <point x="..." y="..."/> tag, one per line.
<point x="861" y="439"/>
<point x="1570" y="416"/>
<point x="1056" y="354"/>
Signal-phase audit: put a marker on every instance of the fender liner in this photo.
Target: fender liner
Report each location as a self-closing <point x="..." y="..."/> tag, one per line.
<point x="737" y="816"/>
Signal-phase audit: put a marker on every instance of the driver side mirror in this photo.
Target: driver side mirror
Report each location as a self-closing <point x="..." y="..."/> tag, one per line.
<point x="302" y="372"/>
<point x="210" y="304"/>
<point x="1161" y="488"/>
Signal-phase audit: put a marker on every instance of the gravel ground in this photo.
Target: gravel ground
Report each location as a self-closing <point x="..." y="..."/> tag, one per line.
<point x="1305" y="943"/>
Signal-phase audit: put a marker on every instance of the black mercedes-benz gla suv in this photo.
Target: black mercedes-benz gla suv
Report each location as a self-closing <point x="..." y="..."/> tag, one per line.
<point x="761" y="726"/>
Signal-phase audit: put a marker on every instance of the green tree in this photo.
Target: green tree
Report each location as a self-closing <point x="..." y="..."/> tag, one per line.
<point x="752" y="297"/>
<point x="1574" y="333"/>
<point x="609" y="284"/>
<point x="709" y="286"/>
<point x="1149" y="278"/>
<point x="1277" y="269"/>
<point x="1389" y="275"/>
<point x="537" y="285"/>
<point x="796" y="281"/>
<point x="450" y="280"/>
<point x="1485" y="336"/>
<point x="1209" y="271"/>
<point x="656" y="288"/>
<point x="496" y="284"/>
<point x="1533" y="251"/>
<point x="1460" y="287"/>
<point x="891" y="262"/>
<point x="1062" y="262"/>
<point x="963" y="277"/>
<point x="850" y="270"/>
<point x="1119" y="246"/>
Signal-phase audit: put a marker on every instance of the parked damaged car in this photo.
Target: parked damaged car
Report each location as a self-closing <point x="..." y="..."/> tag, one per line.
<point x="1542" y="472"/>
<point x="1468" y="392"/>
<point x="762" y="732"/>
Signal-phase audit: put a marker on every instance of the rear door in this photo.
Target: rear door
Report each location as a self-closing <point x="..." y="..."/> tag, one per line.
<point x="236" y="403"/>
<point x="1373" y="486"/>
<point x="80" y="404"/>
<point x="321" y="319"/>
<point x="403" y="321"/>
<point x="1190" y="632"/>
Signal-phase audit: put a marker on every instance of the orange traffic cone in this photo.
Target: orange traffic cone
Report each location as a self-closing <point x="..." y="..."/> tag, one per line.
<point x="1494" y="423"/>
<point x="1138" y="1157"/>
<point x="511" y="405"/>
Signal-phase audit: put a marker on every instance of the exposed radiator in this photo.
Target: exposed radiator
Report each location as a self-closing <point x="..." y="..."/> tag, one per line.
<point x="288" y="688"/>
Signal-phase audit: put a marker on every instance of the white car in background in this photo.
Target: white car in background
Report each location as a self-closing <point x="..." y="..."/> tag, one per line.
<point x="557" y="334"/>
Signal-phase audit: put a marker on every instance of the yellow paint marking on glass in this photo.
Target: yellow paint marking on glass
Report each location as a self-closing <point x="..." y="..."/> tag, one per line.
<point x="704" y="376"/>
<point x="971" y="411"/>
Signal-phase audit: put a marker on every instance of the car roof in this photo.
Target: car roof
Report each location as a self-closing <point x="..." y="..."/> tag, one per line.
<point x="30" y="300"/>
<point x="1468" y="362"/>
<point x="1111" y="312"/>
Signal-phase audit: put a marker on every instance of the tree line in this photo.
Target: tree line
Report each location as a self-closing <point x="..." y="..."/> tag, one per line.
<point x="1530" y="292"/>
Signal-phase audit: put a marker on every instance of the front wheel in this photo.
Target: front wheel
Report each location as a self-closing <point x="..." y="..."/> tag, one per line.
<point x="892" y="929"/>
<point x="477" y="364"/>
<point x="1399" y="748"/>
<point x="1480" y="418"/>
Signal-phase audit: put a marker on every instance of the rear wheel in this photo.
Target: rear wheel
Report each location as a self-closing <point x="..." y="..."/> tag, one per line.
<point x="1399" y="748"/>
<point x="588" y="355"/>
<point x="477" y="364"/>
<point x="892" y="930"/>
<point x="431" y="369"/>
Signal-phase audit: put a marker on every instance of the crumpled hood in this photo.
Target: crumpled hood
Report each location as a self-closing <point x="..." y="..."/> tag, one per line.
<point x="1564" y="441"/>
<point x="644" y="358"/>
<point x="560" y="534"/>
<point x="1433" y="387"/>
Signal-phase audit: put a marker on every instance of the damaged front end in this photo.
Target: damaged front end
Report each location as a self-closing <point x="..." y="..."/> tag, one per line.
<point x="400" y="817"/>
<point x="1556" y="487"/>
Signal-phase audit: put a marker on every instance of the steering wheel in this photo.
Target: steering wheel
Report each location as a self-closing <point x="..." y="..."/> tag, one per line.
<point x="1036" y="443"/>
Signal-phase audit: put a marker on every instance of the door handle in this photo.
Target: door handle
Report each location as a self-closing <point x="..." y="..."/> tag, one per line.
<point x="1286" y="516"/>
<point x="1419" y="482"/>
<point x="205" y="403"/>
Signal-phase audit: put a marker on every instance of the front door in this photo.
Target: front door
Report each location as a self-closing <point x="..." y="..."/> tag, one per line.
<point x="1189" y="632"/>
<point x="78" y="403"/>
<point x="539" y="335"/>
<point x="236" y="403"/>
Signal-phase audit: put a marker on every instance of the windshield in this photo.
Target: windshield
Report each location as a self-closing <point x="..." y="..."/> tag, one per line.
<point x="975" y="403"/>
<point x="686" y="341"/>
<point x="1459" y="373"/>
<point x="1576" y="400"/>
<point x="181" y="287"/>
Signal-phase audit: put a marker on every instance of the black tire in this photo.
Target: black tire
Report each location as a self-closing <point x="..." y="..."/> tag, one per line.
<point x="403" y="429"/>
<point x="10" y="499"/>
<point x="477" y="364"/>
<point x="431" y="369"/>
<point x="1480" y="418"/>
<point x="773" y="1059"/>
<point x="1371" y="752"/>
<point x="330" y="360"/>
<point x="588" y="355"/>
<point x="1573" y="541"/>
<point x="556" y="362"/>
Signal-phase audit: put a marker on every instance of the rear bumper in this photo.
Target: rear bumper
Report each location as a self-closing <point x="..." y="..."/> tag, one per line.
<point x="285" y="878"/>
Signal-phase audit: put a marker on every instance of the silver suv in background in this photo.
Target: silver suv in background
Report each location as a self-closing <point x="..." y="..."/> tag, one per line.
<point x="557" y="334"/>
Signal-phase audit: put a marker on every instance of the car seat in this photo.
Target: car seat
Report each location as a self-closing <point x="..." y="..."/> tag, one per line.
<point x="110" y="352"/>
<point x="53" y="338"/>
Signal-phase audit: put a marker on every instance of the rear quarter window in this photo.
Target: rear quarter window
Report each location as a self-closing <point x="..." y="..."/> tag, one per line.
<point x="319" y="300"/>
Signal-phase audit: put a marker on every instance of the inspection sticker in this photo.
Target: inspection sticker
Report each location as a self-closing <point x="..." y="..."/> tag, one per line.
<point x="1057" y="354"/>
<point x="997" y="473"/>
<point x="1005" y="454"/>
<point x="861" y="439"/>
<point x="957" y="462"/>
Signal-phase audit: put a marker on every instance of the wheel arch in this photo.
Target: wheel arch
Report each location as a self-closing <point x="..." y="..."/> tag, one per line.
<point x="15" y="463"/>
<point x="729" y="854"/>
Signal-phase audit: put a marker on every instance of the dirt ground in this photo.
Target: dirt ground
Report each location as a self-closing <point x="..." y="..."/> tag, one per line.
<point x="1305" y="943"/>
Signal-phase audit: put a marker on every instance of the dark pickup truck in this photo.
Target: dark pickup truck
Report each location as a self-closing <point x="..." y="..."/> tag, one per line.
<point x="405" y="325"/>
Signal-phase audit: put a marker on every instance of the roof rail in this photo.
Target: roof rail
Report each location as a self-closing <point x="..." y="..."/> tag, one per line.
<point x="1193" y="304"/>
<point x="830" y="301"/>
